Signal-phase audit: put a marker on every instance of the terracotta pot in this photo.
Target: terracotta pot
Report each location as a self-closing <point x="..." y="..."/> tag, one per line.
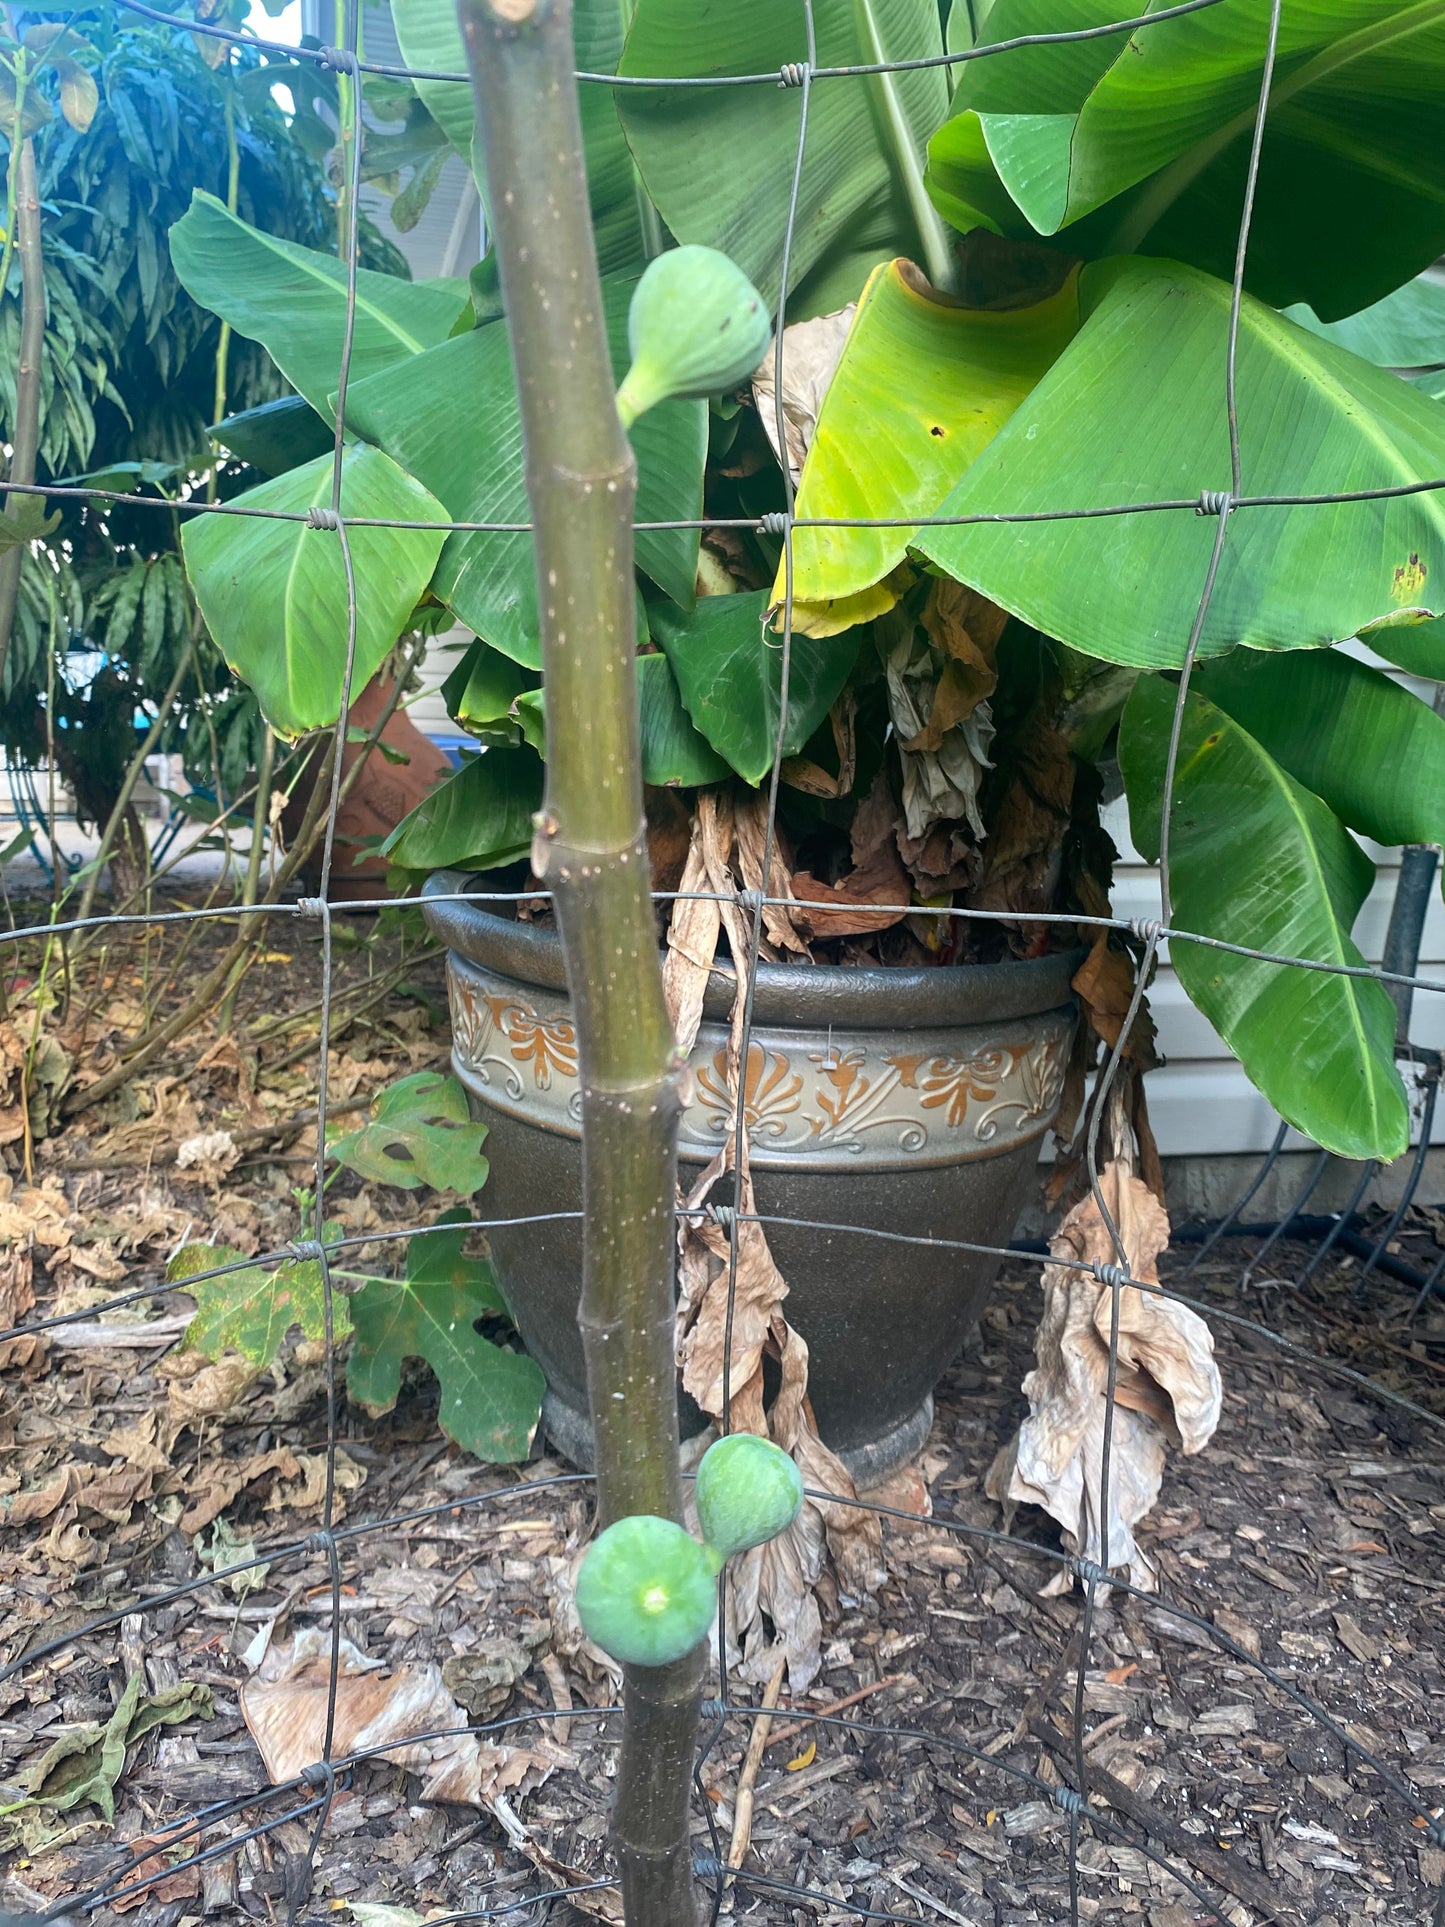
<point x="898" y="1100"/>
<point x="380" y="797"/>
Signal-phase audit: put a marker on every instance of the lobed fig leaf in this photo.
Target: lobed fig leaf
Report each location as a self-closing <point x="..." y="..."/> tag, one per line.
<point x="646" y="1591"/>
<point x="696" y="327"/>
<point x="748" y="1491"/>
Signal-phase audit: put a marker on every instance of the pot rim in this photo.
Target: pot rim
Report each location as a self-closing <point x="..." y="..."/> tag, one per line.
<point x="850" y="997"/>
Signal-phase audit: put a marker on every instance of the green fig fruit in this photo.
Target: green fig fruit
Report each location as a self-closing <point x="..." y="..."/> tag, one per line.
<point x="647" y="1591"/>
<point x="748" y="1491"/>
<point x="696" y="327"/>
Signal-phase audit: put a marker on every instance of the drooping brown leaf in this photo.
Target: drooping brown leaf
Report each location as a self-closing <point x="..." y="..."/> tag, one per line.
<point x="943" y="768"/>
<point x="841" y="909"/>
<point x="669" y="837"/>
<point x="1104" y="985"/>
<point x="750" y="818"/>
<point x="1167" y="1385"/>
<point x="877" y="875"/>
<point x="693" y="930"/>
<point x="184" y="1883"/>
<point x="966" y="627"/>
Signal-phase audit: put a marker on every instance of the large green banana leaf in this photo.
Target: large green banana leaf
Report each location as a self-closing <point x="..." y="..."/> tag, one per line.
<point x="729" y="671"/>
<point x="430" y="39"/>
<point x="1351" y="196"/>
<point x="1419" y="649"/>
<point x="961" y="179"/>
<point x="1257" y="859"/>
<point x="1133" y="411"/>
<point x="718" y="161"/>
<point x="674" y="754"/>
<point x="1370" y="749"/>
<point x="274" y="593"/>
<point x="1405" y="330"/>
<point x="475" y="819"/>
<point x="293" y="300"/>
<point x="450" y="418"/>
<point x="922" y="388"/>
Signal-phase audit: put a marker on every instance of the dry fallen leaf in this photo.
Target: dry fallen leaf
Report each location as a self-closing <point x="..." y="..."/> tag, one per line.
<point x="198" y="1389"/>
<point x="182" y="1884"/>
<point x="210" y="1154"/>
<point x="407" y="1715"/>
<point x="1167" y="1384"/>
<point x="214" y="1485"/>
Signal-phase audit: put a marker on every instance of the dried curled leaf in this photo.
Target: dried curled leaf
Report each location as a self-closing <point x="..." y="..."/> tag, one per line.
<point x="408" y="1715"/>
<point x="1167" y="1386"/>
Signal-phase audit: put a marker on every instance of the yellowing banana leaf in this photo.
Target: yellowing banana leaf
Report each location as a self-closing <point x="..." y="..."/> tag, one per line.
<point x="922" y="387"/>
<point x="1133" y="411"/>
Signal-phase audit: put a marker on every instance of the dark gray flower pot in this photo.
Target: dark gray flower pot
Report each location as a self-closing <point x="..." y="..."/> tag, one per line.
<point x="907" y="1101"/>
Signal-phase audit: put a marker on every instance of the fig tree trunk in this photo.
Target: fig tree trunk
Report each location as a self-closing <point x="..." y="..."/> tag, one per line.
<point x="591" y="851"/>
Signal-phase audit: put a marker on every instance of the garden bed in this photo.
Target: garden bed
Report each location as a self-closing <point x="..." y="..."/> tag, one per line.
<point x="1309" y="1532"/>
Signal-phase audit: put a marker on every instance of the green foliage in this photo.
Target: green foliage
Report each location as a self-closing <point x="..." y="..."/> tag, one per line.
<point x="477" y="819"/>
<point x="1256" y="859"/>
<point x="449" y="416"/>
<point x="646" y="1591"/>
<point x="748" y="1491"/>
<point x="293" y="300"/>
<point x="675" y="755"/>
<point x="86" y="1762"/>
<point x="1004" y="382"/>
<point x="968" y="370"/>
<point x="275" y="593"/>
<point x="481" y="691"/>
<point x="729" y="675"/>
<point x="253" y="1309"/>
<point x="429" y="38"/>
<point x="128" y="382"/>
<point x="1152" y="131"/>
<point x="419" y="1131"/>
<point x="1405" y="330"/>
<point x="1363" y="744"/>
<point x="718" y="162"/>
<point x="696" y="327"/>
<point x="1132" y="411"/>
<point x="491" y="1398"/>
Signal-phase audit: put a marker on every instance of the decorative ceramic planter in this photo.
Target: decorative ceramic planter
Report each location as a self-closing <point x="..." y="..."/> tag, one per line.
<point x="897" y="1100"/>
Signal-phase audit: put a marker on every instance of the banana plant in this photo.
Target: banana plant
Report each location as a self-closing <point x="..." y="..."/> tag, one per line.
<point x="1025" y="271"/>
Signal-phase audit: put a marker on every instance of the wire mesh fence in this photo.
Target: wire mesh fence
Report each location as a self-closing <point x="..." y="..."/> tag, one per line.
<point x="1079" y="1802"/>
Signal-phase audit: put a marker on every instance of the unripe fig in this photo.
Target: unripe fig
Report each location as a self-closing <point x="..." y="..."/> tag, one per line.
<point x="748" y="1491"/>
<point x="696" y="327"/>
<point x="646" y="1592"/>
